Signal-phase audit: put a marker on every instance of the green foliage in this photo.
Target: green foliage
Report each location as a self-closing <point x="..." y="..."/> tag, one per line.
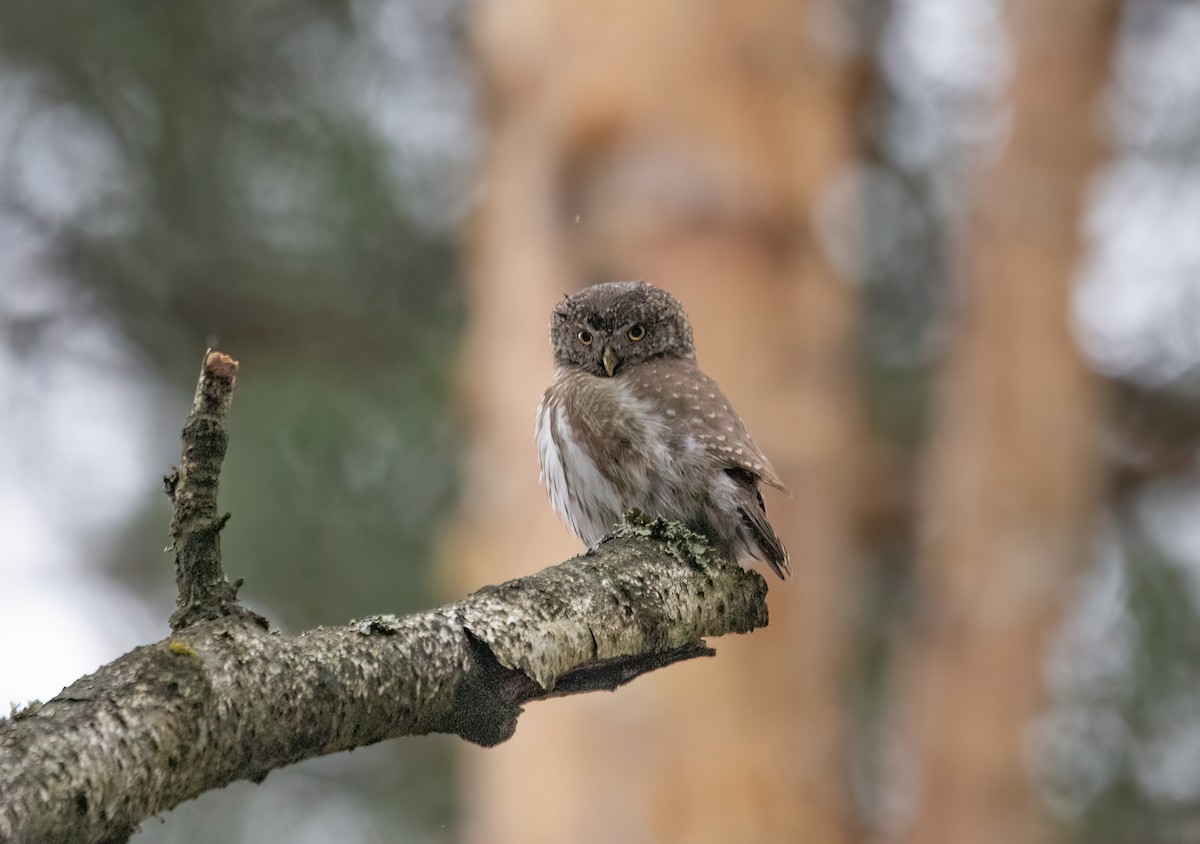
<point x="223" y="173"/>
<point x="1155" y="707"/>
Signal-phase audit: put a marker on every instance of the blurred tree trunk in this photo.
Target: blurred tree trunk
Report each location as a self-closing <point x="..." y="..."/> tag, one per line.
<point x="700" y="147"/>
<point x="1012" y="481"/>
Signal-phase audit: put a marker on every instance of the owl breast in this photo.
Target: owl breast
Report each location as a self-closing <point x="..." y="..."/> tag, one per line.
<point x="603" y="451"/>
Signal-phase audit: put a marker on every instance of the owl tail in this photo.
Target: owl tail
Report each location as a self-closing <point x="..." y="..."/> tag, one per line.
<point x="764" y="543"/>
<point x="763" y="535"/>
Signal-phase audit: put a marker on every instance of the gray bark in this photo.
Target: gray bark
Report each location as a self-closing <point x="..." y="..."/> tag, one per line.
<point x="204" y="593"/>
<point x="224" y="699"/>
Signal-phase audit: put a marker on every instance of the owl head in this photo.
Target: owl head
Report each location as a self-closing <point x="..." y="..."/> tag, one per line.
<point x="607" y="328"/>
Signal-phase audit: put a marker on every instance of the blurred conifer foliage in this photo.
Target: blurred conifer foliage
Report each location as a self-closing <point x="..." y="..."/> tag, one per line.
<point x="235" y="172"/>
<point x="281" y="178"/>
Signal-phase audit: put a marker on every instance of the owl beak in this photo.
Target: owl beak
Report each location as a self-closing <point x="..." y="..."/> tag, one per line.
<point x="610" y="361"/>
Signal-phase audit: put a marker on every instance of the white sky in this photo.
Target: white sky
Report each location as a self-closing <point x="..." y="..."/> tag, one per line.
<point x="79" y="421"/>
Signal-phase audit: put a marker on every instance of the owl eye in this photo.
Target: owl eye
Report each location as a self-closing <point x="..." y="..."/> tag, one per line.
<point x="585" y="337"/>
<point x="637" y="332"/>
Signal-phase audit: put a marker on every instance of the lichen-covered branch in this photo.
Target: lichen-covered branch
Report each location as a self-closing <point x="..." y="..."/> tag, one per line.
<point x="204" y="593"/>
<point x="223" y="699"/>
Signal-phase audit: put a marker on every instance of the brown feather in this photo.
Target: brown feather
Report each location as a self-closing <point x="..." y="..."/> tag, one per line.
<point x="630" y="421"/>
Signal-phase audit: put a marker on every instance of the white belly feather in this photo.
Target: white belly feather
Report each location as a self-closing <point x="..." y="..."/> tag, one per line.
<point x="583" y="496"/>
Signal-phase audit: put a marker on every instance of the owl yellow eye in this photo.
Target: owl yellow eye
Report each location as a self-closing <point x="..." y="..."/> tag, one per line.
<point x="637" y="332"/>
<point x="585" y="337"/>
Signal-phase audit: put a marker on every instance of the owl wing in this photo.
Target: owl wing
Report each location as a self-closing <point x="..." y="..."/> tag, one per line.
<point x="687" y="394"/>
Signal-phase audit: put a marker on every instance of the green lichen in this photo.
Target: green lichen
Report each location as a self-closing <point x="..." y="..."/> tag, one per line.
<point x="682" y="544"/>
<point x="180" y="648"/>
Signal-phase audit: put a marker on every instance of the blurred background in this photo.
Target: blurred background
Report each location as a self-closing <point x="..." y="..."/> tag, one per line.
<point x="943" y="256"/>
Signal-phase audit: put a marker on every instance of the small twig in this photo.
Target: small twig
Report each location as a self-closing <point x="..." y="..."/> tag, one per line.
<point x="204" y="593"/>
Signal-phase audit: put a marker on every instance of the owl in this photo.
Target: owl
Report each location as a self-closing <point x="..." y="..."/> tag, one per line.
<point x="630" y="421"/>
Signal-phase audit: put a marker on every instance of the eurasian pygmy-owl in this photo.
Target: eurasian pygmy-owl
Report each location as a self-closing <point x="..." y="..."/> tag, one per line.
<point x="630" y="421"/>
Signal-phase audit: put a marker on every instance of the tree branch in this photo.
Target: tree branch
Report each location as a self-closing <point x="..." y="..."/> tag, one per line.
<point x="204" y="593"/>
<point x="222" y="699"/>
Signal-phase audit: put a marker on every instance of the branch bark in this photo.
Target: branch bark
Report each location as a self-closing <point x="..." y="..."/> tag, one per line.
<point x="223" y="699"/>
<point x="204" y="593"/>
